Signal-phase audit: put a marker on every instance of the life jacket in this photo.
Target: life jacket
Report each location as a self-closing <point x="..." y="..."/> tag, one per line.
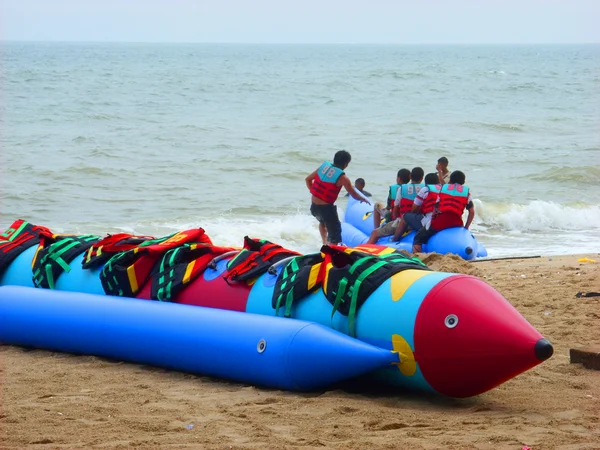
<point x="353" y="275"/>
<point x="99" y="253"/>
<point x="453" y="198"/>
<point x="393" y="191"/>
<point x="324" y="185"/>
<point x="255" y="259"/>
<point x="347" y="276"/>
<point x="20" y="236"/>
<point x="127" y="272"/>
<point x="54" y="255"/>
<point x="429" y="202"/>
<point x="301" y="276"/>
<point x="409" y="192"/>
<point x="305" y="274"/>
<point x="181" y="265"/>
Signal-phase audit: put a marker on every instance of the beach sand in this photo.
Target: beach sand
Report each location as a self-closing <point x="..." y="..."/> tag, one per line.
<point x="54" y="400"/>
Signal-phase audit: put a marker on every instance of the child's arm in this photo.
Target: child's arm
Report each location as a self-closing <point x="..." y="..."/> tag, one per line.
<point x="353" y="192"/>
<point x="471" y="215"/>
<point x="309" y="179"/>
<point x="419" y="199"/>
<point x="396" y="206"/>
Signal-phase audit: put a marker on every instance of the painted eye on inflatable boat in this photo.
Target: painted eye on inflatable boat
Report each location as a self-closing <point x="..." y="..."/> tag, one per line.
<point x="451" y="321"/>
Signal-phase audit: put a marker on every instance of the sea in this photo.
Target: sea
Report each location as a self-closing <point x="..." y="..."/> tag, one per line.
<point x="157" y="138"/>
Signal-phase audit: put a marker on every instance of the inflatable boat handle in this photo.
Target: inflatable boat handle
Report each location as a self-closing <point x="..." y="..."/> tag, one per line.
<point x="216" y="259"/>
<point x="273" y="269"/>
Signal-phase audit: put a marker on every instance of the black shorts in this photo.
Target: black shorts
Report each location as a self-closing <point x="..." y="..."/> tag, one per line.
<point x="327" y="215"/>
<point x="424" y="235"/>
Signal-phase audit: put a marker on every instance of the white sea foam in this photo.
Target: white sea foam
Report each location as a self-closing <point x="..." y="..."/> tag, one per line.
<point x="539" y="216"/>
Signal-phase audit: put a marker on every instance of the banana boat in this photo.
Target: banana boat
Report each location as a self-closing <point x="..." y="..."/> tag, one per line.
<point x="449" y="333"/>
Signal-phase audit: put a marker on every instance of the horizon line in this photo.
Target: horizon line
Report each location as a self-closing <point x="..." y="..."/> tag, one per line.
<point x="60" y="41"/>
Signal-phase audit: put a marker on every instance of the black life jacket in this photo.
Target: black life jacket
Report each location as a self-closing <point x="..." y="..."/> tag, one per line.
<point x="353" y="275"/>
<point x="255" y="259"/>
<point x="20" y="236"/>
<point x="127" y="272"/>
<point x="99" y="253"/>
<point x="300" y="277"/>
<point x="54" y="256"/>
<point x="181" y="265"/>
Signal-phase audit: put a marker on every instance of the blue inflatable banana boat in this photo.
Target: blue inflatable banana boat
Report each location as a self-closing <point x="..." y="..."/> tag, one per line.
<point x="396" y="321"/>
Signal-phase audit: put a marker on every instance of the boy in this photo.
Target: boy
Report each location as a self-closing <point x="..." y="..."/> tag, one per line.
<point x="359" y="185"/>
<point x="453" y="199"/>
<point x="403" y="202"/>
<point x="324" y="185"/>
<point x="402" y="177"/>
<point x="422" y="209"/>
<point x="407" y="193"/>
<point x="443" y="171"/>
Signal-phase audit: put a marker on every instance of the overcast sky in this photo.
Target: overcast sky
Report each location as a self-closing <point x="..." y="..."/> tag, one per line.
<point x="303" y="21"/>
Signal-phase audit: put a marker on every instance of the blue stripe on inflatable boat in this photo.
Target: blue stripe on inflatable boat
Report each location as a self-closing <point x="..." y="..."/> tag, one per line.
<point x="276" y="352"/>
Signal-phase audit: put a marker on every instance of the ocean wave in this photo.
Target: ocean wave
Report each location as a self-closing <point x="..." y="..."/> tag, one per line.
<point x="589" y="175"/>
<point x="538" y="216"/>
<point x="297" y="156"/>
<point x="88" y="170"/>
<point x="103" y="117"/>
<point x="98" y="153"/>
<point x="397" y="75"/>
<point x="496" y="126"/>
<point x="530" y="86"/>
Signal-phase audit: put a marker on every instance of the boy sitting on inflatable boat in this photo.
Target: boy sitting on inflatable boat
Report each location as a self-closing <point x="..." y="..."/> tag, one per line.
<point x="453" y="199"/>
<point x="324" y="185"/>
<point x="386" y="212"/>
<point x="422" y="208"/>
<point x="403" y="203"/>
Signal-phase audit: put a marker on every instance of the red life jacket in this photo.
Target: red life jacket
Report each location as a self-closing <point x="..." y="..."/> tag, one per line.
<point x="409" y="192"/>
<point x="453" y="199"/>
<point x="255" y="259"/>
<point x="103" y="250"/>
<point x="431" y="199"/>
<point x="20" y="236"/>
<point x="126" y="273"/>
<point x="324" y="186"/>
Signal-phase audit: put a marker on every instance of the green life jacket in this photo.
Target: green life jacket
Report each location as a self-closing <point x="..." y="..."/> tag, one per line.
<point x="300" y="277"/>
<point x="53" y="259"/>
<point x="180" y="266"/>
<point x="355" y="275"/>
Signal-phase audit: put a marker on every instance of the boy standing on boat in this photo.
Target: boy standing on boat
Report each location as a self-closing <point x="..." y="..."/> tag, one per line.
<point x="324" y="185"/>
